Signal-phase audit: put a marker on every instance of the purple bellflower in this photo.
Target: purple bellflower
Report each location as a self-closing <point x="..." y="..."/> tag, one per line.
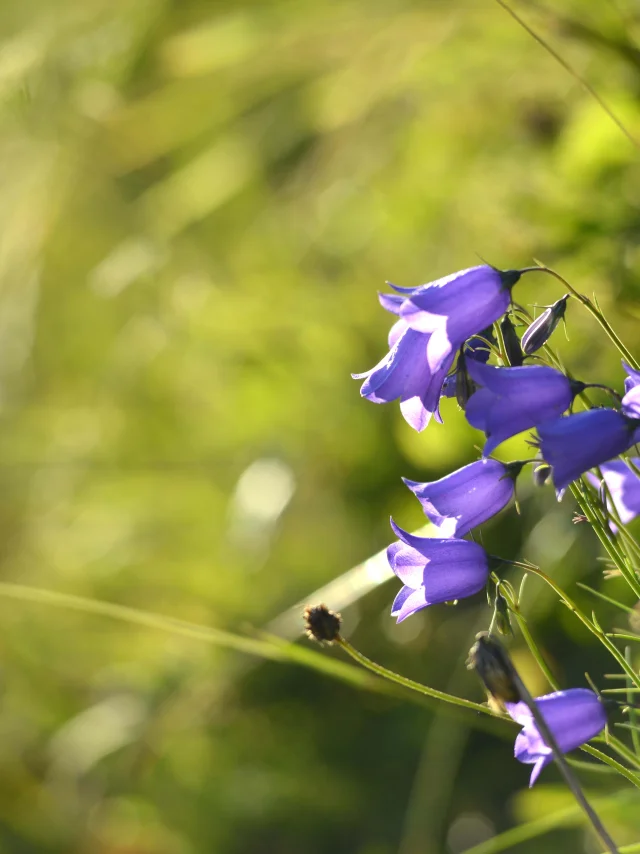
<point x="456" y="307"/>
<point x="632" y="380"/>
<point x="631" y="401"/>
<point x="434" y="571"/>
<point x="405" y="372"/>
<point x="623" y="485"/>
<point x="573" y="716"/>
<point x="467" y="497"/>
<point x="515" y="399"/>
<point x="576" y="443"/>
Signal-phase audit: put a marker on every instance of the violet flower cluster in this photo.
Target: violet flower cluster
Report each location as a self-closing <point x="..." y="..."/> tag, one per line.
<point x="441" y="345"/>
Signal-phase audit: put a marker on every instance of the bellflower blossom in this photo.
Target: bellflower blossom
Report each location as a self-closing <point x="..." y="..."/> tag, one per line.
<point x="405" y="372"/>
<point x="576" y="443"/>
<point x="623" y="485"/>
<point x="573" y="716"/>
<point x="456" y="307"/>
<point x="467" y="497"/>
<point x="632" y="380"/>
<point x="515" y="399"/>
<point x="434" y="571"/>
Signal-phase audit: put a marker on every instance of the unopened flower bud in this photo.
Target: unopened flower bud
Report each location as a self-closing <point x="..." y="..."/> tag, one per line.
<point x="512" y="346"/>
<point x="464" y="384"/>
<point x="503" y="615"/>
<point x="492" y="664"/>
<point x="542" y="327"/>
<point x="322" y="624"/>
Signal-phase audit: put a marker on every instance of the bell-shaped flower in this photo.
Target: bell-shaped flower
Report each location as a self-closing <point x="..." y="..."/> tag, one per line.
<point x="467" y="497"/>
<point x="631" y="401"/>
<point x="542" y="327"/>
<point x="573" y="716"/>
<point x="434" y="570"/>
<point x="576" y="443"/>
<point x="623" y="486"/>
<point x="456" y="307"/>
<point x="404" y="372"/>
<point x="633" y="379"/>
<point x="511" y="400"/>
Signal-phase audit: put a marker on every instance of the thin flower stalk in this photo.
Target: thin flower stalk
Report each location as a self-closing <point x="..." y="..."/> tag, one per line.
<point x="412" y="685"/>
<point x="604" y="534"/>
<point x="593" y="628"/>
<point x="633" y="715"/>
<point x="593" y="311"/>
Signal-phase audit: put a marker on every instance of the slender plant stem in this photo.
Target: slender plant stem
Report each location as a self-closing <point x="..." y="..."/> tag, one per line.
<point x="612" y="763"/>
<point x="563" y="62"/>
<point x="533" y="647"/>
<point x="603" y="532"/>
<point x="622" y="750"/>
<point x="586" y="302"/>
<point x="595" y="630"/>
<point x="565" y="770"/>
<point x="614" y="394"/>
<point x="413" y="686"/>
<point x="633" y="715"/>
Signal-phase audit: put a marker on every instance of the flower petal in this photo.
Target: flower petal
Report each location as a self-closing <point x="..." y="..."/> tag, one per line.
<point x="575" y="443"/>
<point x="466" y="498"/>
<point x="412" y="603"/>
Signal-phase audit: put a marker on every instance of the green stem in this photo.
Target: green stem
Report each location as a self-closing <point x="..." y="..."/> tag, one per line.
<point x="633" y="715"/>
<point x="622" y="750"/>
<point x="593" y="311"/>
<point x="603" y="532"/>
<point x="565" y="770"/>
<point x="612" y="763"/>
<point x="414" y="686"/>
<point x="533" y="647"/>
<point x="595" y="630"/>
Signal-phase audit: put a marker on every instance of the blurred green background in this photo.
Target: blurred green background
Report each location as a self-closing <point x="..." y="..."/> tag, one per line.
<point x="198" y="203"/>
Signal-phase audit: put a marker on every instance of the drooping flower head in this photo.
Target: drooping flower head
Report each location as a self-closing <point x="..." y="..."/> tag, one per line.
<point x="404" y="373"/>
<point x="456" y="307"/>
<point x="434" y="570"/>
<point x="467" y="497"/>
<point x="576" y="443"/>
<point x="573" y="716"/>
<point x="511" y="400"/>
<point x="434" y="322"/>
<point x="623" y="485"/>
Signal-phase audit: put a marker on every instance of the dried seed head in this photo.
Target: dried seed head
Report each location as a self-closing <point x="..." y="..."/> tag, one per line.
<point x="322" y="624"/>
